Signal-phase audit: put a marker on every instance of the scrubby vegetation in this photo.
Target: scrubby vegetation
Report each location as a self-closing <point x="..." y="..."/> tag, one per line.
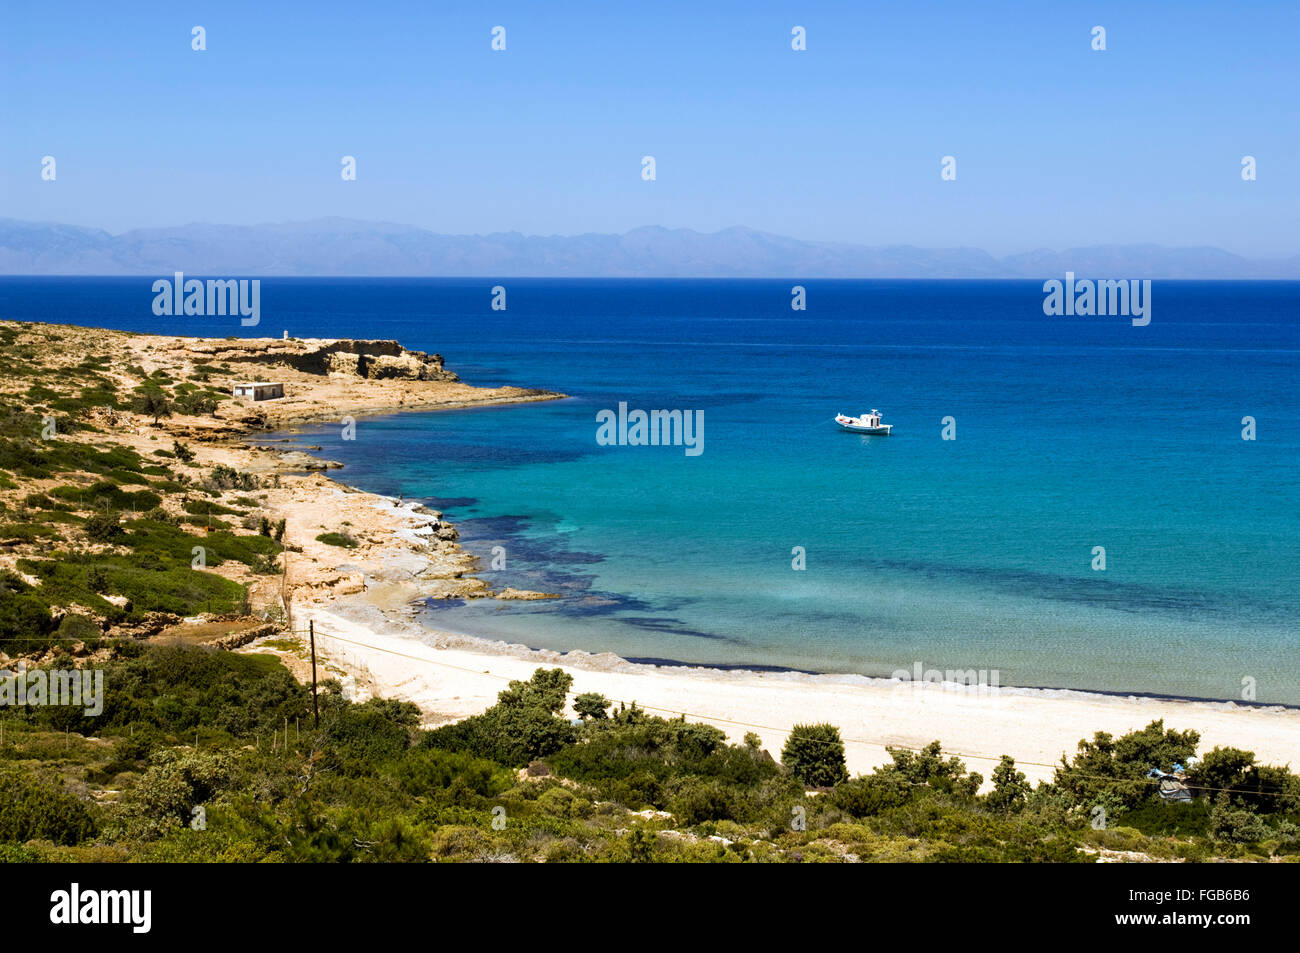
<point x="94" y="531"/>
<point x="202" y="755"/>
<point x="342" y="540"/>
<point x="150" y="565"/>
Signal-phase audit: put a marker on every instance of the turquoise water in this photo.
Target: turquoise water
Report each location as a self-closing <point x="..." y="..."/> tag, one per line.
<point x="1072" y="433"/>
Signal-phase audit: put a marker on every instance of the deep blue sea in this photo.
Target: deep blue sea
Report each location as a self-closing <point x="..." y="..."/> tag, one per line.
<point x="1071" y="433"/>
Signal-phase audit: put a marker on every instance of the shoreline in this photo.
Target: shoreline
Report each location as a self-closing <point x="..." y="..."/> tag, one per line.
<point x="490" y="644"/>
<point x="449" y="676"/>
<point x="356" y="563"/>
<point x="370" y="635"/>
<point x="289" y="433"/>
<point x="289" y="425"/>
<point x="368" y="632"/>
<point x="758" y="667"/>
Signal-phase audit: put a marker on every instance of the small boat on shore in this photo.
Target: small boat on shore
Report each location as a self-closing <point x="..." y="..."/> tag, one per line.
<point x="867" y="423"/>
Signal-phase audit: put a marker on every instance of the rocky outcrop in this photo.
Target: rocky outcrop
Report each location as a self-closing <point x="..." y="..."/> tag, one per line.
<point x="298" y="460"/>
<point x="523" y="595"/>
<point x="411" y="366"/>
<point x="153" y="623"/>
<point x="237" y="639"/>
<point x="374" y="360"/>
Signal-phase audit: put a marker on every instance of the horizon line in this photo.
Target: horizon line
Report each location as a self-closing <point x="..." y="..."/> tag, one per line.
<point x="649" y="227"/>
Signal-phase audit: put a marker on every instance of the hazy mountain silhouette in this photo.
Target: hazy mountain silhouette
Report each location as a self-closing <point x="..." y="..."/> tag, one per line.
<point x="346" y="247"/>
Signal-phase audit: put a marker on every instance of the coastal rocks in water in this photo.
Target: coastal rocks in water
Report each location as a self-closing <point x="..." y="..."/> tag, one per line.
<point x="454" y="588"/>
<point x="298" y="460"/>
<point x="525" y="595"/>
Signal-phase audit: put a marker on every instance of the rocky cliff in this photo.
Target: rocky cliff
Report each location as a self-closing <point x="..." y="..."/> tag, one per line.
<point x="374" y="360"/>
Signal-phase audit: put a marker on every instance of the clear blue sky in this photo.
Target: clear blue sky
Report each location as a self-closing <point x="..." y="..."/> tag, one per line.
<point x="1056" y="144"/>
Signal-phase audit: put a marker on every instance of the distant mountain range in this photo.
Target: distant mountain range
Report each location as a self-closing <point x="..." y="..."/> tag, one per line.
<point x="345" y="247"/>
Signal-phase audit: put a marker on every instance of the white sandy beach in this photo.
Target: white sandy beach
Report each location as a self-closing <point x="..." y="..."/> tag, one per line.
<point x="451" y="677"/>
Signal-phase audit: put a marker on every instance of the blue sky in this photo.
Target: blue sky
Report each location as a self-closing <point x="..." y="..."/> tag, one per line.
<point x="1056" y="144"/>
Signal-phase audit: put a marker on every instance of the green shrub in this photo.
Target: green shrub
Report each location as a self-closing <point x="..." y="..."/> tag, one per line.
<point x="25" y="618"/>
<point x="871" y="795"/>
<point x="170" y="586"/>
<point x="425" y="771"/>
<point x="77" y="627"/>
<point x="208" y="508"/>
<point x="342" y="540"/>
<point x="150" y="402"/>
<point x="165" y="800"/>
<point x="105" y="527"/>
<point x="361" y="737"/>
<point x="1010" y="789"/>
<point x="521" y="727"/>
<point x="591" y="705"/>
<point x="928" y="767"/>
<point x="1231" y="771"/>
<point x="228" y="478"/>
<point x="1118" y="768"/>
<point x="195" y="403"/>
<point x="32" y="809"/>
<point x="560" y="802"/>
<point x="1238" y="825"/>
<point x="815" y="755"/>
<point x="179" y="689"/>
<point x="108" y="495"/>
<point x="695" y="800"/>
<point x="27" y="532"/>
<point x="1170" y="819"/>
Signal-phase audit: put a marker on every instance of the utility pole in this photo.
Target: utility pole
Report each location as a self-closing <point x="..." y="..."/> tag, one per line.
<point x="315" y="702"/>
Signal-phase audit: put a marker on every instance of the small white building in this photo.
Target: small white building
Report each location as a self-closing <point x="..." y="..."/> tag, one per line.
<point x="260" y="390"/>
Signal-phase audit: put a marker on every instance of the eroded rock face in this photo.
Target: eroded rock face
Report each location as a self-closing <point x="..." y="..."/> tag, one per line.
<point x="153" y="623"/>
<point x="411" y="366"/>
<point x="368" y="359"/>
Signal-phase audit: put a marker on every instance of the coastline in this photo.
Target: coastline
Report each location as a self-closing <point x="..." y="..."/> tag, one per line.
<point x="361" y="595"/>
<point x="368" y="634"/>
<point x="367" y="631"/>
<point x="451" y="676"/>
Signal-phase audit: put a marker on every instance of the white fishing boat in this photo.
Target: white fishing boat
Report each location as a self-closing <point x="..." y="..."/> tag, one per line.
<point x="867" y="423"/>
